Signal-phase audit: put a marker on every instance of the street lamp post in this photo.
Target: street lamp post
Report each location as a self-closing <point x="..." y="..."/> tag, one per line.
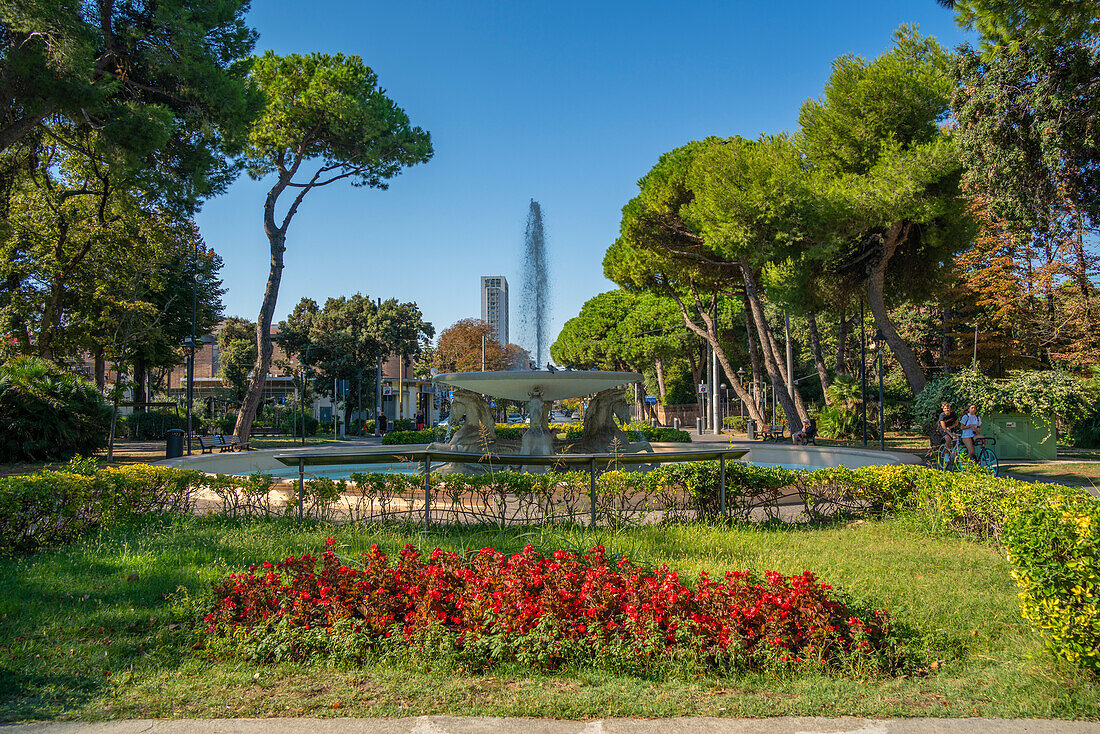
<point x="879" y="339"/>
<point x="863" y="369"/>
<point x="191" y="344"/>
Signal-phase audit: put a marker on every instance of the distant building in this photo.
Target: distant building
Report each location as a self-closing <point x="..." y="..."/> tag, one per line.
<point x="494" y="304"/>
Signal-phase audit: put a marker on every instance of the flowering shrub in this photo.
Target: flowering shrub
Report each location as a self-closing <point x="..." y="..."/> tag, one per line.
<point x="487" y="607"/>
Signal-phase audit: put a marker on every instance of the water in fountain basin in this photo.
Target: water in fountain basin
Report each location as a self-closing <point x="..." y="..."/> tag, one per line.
<point x="536" y="285"/>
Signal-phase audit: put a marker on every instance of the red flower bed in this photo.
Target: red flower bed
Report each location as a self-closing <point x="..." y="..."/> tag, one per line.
<point x="583" y="599"/>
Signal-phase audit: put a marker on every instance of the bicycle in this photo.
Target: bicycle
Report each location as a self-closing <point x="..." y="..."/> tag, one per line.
<point x="952" y="456"/>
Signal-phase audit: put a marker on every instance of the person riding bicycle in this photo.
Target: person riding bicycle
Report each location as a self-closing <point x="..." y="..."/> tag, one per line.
<point x="947" y="423"/>
<point x="971" y="424"/>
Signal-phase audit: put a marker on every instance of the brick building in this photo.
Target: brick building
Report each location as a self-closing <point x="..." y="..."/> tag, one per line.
<point x="403" y="394"/>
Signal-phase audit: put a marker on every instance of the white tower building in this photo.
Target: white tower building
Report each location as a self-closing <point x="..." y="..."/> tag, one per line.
<point x="494" y="304"/>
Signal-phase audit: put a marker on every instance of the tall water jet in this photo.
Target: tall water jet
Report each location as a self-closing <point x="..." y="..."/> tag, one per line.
<point x="536" y="285"/>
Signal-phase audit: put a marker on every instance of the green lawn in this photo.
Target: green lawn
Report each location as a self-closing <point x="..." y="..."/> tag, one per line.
<point x="1073" y="472"/>
<point x="81" y="637"/>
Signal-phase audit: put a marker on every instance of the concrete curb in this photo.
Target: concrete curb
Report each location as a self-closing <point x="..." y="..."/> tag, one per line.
<point x="455" y="725"/>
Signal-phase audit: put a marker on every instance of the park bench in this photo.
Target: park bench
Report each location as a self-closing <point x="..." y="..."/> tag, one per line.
<point x="233" y="443"/>
<point x="222" y="444"/>
<point x="209" y="443"/>
<point x="774" y="433"/>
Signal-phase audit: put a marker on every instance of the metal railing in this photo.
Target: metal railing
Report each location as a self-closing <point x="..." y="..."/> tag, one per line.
<point x="426" y="457"/>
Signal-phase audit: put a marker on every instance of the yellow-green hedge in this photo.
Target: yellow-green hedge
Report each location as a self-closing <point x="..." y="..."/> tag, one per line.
<point x="1053" y="543"/>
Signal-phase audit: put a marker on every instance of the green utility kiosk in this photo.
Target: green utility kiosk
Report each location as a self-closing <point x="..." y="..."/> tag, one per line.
<point x="1021" y="436"/>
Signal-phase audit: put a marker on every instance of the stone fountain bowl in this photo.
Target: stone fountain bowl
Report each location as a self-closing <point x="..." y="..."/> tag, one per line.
<point x="520" y="385"/>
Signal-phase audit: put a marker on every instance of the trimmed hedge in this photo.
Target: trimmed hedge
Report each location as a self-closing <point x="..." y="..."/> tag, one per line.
<point x="51" y="507"/>
<point x="1053" y="544"/>
<point x="427" y="435"/>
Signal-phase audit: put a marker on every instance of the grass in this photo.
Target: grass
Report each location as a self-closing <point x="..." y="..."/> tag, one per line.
<point x="82" y="637"/>
<point x="1079" y="472"/>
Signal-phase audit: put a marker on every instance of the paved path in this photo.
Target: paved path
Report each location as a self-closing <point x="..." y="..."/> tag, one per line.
<point x="451" y="725"/>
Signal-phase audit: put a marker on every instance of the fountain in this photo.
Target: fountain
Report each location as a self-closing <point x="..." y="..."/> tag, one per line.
<point x="536" y="283"/>
<point x="539" y="389"/>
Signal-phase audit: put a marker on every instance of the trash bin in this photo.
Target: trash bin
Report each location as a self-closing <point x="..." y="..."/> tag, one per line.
<point x="750" y="428"/>
<point x="174" y="449"/>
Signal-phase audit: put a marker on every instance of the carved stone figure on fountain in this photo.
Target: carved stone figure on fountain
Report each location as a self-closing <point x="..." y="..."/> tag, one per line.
<point x="600" y="433"/>
<point x="479" y="429"/>
<point x="538" y="439"/>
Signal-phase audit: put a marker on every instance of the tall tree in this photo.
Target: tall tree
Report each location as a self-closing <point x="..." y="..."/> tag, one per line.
<point x="71" y="248"/>
<point x="875" y="136"/>
<point x="1028" y="105"/>
<point x="162" y="84"/>
<point x="345" y="339"/>
<point x="325" y="121"/>
<point x="461" y="347"/>
<point x="660" y="250"/>
<point x="236" y="354"/>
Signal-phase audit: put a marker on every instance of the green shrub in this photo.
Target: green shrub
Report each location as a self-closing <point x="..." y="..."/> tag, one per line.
<point x="839" y="423"/>
<point x="666" y="435"/>
<point x="426" y="435"/>
<point x="48" y="413"/>
<point x="153" y="424"/>
<point x="960" y="389"/>
<point x="51" y="507"/>
<point x="1086" y="431"/>
<point x="1053" y="544"/>
<point x="734" y="423"/>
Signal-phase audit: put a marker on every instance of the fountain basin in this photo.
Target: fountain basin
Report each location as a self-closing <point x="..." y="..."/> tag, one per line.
<point x="519" y="386"/>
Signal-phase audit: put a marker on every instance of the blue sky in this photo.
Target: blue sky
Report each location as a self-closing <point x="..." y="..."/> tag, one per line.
<point x="569" y="103"/>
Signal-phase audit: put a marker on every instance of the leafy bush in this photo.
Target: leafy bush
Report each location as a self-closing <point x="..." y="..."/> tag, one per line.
<point x="1054" y="547"/>
<point x="152" y="425"/>
<point x="52" y="507"/>
<point x="1055" y="393"/>
<point x="659" y="434"/>
<point x="48" y="413"/>
<point x="1086" y="431"/>
<point x="734" y="422"/>
<point x="426" y="435"/>
<point x="960" y="389"/>
<point x="839" y="423"/>
<point x="1048" y="392"/>
<point x="540" y="611"/>
<point x="400" y="424"/>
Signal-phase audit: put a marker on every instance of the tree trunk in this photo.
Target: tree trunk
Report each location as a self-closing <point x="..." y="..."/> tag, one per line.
<point x="114" y="418"/>
<point x="659" y="365"/>
<point x="696" y="371"/>
<point x="876" y="300"/>
<point x="140" y="393"/>
<point x="755" y="355"/>
<point x="819" y="360"/>
<point x="100" y="369"/>
<point x="710" y="336"/>
<point x="946" y="343"/>
<point x="277" y="237"/>
<point x="770" y="364"/>
<point x="844" y="328"/>
<point x="781" y="363"/>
